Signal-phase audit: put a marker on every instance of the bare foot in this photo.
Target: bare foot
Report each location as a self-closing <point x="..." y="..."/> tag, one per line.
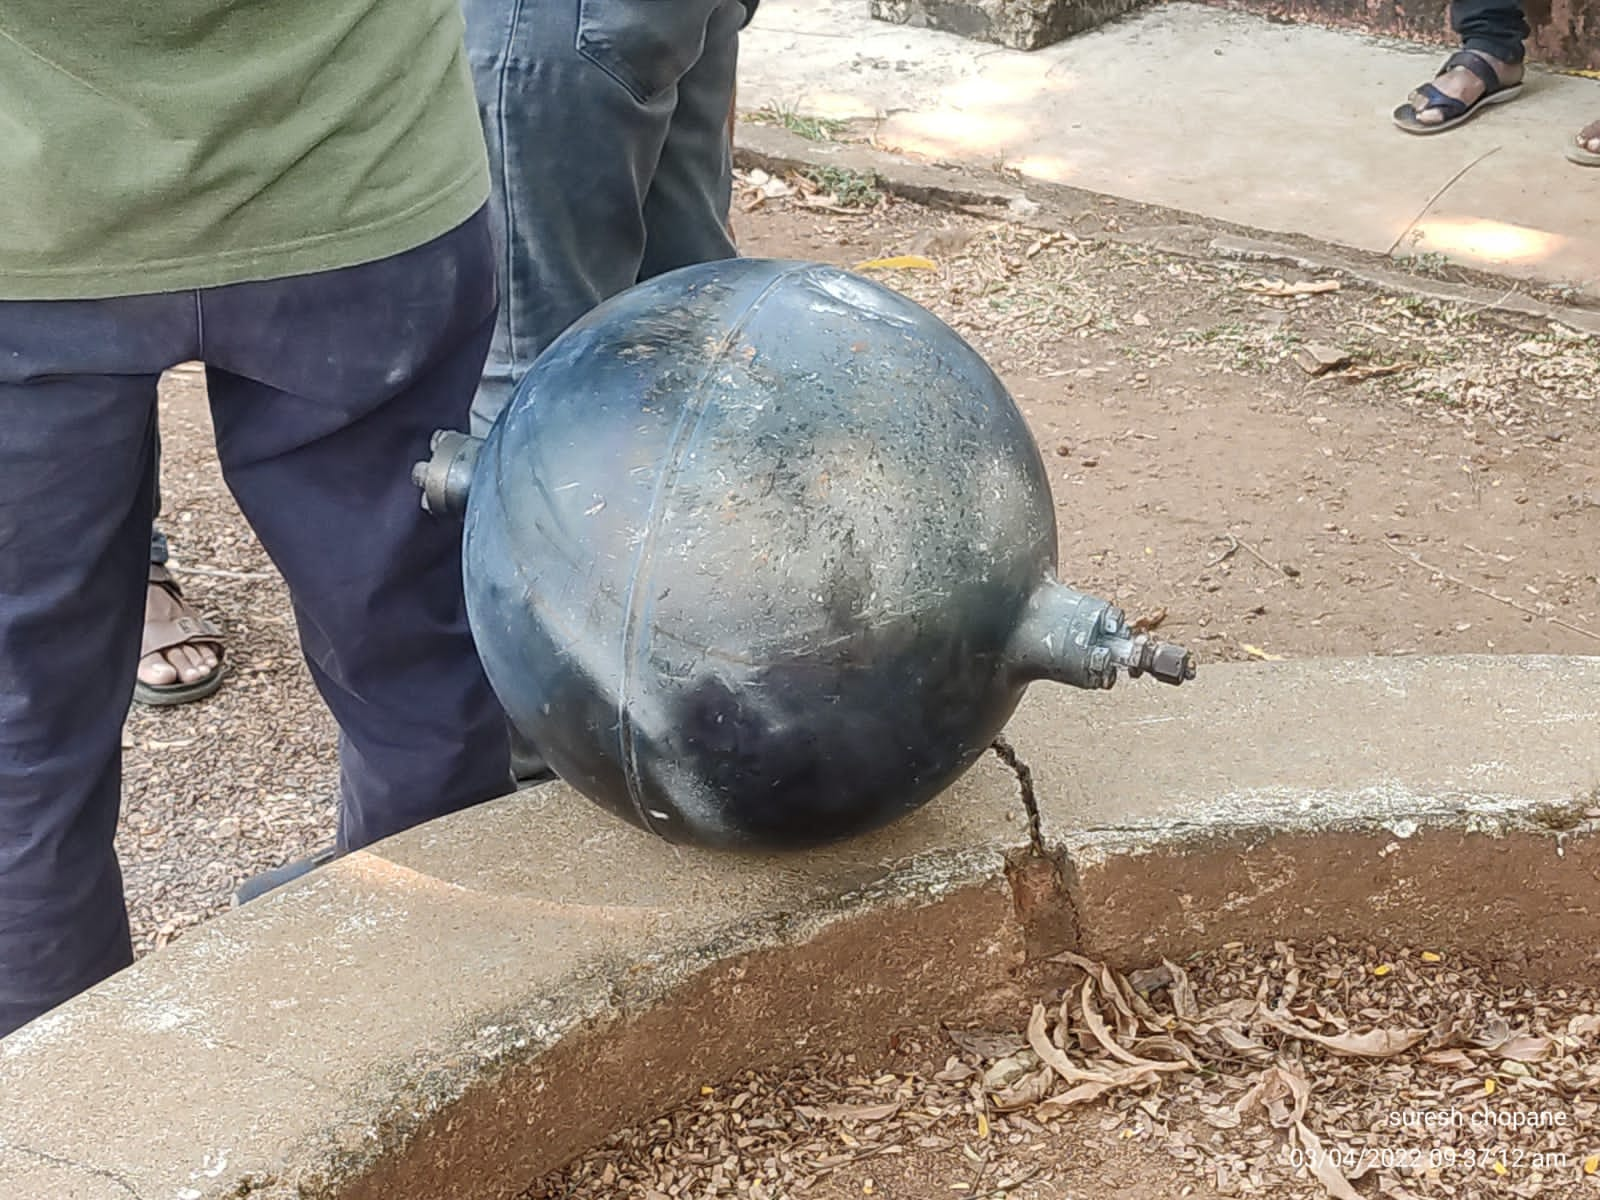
<point x="192" y="652"/>
<point x="1589" y="137"/>
<point x="1461" y="84"/>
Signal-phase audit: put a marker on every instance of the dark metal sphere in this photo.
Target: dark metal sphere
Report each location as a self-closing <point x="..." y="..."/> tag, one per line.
<point x="748" y="553"/>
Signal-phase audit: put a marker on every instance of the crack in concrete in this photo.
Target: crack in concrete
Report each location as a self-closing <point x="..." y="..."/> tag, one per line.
<point x="58" y="1161"/>
<point x="1007" y="754"/>
<point x="1044" y="885"/>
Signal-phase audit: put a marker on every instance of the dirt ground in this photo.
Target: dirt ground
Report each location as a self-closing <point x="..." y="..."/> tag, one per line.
<point x="1438" y="491"/>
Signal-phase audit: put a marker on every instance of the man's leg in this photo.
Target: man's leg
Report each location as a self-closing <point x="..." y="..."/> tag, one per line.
<point x="577" y="98"/>
<point x="1496" y="28"/>
<point x="325" y="390"/>
<point x="78" y="394"/>
<point x="686" y="209"/>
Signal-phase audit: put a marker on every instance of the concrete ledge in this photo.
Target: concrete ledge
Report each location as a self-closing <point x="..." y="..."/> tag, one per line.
<point x="1019" y="24"/>
<point x="469" y="1005"/>
<point x="1058" y="206"/>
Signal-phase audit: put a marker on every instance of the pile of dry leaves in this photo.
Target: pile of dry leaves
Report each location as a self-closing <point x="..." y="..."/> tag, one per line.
<point x="1285" y="1071"/>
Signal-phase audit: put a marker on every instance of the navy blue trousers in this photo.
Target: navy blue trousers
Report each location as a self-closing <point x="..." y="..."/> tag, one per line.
<point x="324" y="390"/>
<point x="1494" y="27"/>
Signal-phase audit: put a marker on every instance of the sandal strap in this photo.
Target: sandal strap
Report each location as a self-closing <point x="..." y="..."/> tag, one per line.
<point x="180" y="631"/>
<point x="1437" y="101"/>
<point x="186" y="630"/>
<point x="1478" y="65"/>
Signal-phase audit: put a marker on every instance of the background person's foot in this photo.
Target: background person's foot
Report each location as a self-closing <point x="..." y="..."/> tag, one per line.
<point x="1586" y="146"/>
<point x="181" y="654"/>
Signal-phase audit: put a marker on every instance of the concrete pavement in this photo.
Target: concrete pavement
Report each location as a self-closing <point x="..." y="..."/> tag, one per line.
<point x="1283" y="128"/>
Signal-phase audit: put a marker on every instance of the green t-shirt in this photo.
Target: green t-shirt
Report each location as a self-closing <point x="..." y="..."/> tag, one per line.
<point x="162" y="145"/>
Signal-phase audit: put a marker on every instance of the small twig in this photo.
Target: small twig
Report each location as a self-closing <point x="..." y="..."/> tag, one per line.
<point x="1235" y="545"/>
<point x="988" y="1161"/>
<point x="219" y="573"/>
<point x="1434" y="199"/>
<point x="1476" y="309"/>
<point x="1006" y="1186"/>
<point x="1233" y="548"/>
<point x="1507" y="601"/>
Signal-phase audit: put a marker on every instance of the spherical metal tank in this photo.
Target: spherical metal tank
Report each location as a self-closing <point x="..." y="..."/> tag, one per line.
<point x="762" y="553"/>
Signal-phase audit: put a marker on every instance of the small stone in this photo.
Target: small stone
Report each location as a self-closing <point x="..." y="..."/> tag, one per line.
<point x="1316" y="359"/>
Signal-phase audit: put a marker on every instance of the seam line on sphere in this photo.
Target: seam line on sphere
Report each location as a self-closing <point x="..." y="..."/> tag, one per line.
<point x="640" y="603"/>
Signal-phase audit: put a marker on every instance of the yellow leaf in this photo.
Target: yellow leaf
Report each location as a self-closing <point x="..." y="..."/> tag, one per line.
<point x="708" y="1091"/>
<point x="866" y="1186"/>
<point x="1430" y="956"/>
<point x="1488" y="1087"/>
<point x="1591" y="1164"/>
<point x="1128" y="1133"/>
<point x="1498" y="1168"/>
<point x="1381" y="971"/>
<point x="983" y="1126"/>
<point x="1258" y="652"/>
<point x="899" y="262"/>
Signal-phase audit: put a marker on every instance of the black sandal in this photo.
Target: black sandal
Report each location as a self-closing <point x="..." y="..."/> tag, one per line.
<point x="1456" y="111"/>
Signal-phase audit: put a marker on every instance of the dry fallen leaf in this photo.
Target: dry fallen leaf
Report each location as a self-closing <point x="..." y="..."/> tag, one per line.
<point x="1527" y="1048"/>
<point x="1062" y="1102"/>
<point x="1280" y="287"/>
<point x="987" y="1043"/>
<point x="900" y="262"/>
<point x="1495" y="1033"/>
<point x="1184" y="1002"/>
<point x="1585" y="1025"/>
<point x="1322" y="1165"/>
<point x="1273" y="1086"/>
<point x="1024" y="1092"/>
<point x="1258" y="652"/>
<point x="1375" y="1043"/>
<point x="1149" y="622"/>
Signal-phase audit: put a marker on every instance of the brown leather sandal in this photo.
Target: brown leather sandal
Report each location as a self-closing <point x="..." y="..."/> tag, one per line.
<point x="188" y="629"/>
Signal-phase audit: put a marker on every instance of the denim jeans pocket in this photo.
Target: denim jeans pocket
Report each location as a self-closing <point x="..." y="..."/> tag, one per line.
<point x="645" y="45"/>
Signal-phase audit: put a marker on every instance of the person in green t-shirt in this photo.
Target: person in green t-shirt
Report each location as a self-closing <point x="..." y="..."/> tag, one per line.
<point x="292" y="193"/>
<point x="651" y="195"/>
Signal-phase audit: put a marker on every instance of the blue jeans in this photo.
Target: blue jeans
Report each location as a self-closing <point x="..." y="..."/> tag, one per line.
<point x="1493" y="27"/>
<point x="323" y="389"/>
<point x="606" y="122"/>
